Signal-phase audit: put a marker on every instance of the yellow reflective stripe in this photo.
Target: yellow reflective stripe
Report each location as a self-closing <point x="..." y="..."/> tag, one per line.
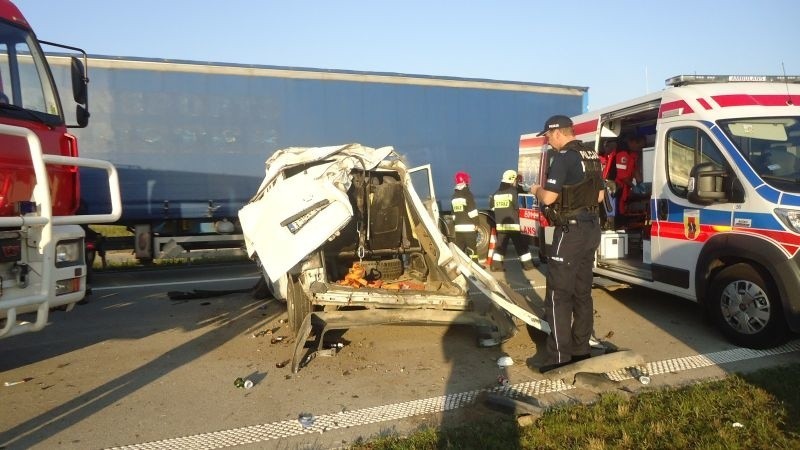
<point x="473" y="214"/>
<point x="465" y="227"/>
<point x="508" y="227"/>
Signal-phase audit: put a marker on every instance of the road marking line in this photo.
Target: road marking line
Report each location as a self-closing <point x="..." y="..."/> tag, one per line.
<point x="397" y="411"/>
<point x="171" y="283"/>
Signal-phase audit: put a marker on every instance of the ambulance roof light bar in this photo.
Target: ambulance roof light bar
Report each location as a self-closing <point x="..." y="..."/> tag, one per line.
<point x="683" y="80"/>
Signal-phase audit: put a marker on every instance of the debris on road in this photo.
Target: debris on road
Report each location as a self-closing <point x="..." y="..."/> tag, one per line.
<point x="242" y="383"/>
<point x="14" y="383"/>
<point x="306" y="419"/>
<point x="505" y="361"/>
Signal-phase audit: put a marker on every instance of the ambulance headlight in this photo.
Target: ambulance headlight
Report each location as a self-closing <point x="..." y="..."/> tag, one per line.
<point x="790" y="218"/>
<point x="69" y="253"/>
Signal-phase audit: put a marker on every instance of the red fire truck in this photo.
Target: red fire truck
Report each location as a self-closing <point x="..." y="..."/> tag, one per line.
<point x="42" y="256"/>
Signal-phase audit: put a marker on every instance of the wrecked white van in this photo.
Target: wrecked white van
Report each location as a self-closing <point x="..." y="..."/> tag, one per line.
<point x="342" y="237"/>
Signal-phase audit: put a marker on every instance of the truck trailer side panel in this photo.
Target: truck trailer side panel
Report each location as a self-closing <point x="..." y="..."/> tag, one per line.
<point x="190" y="138"/>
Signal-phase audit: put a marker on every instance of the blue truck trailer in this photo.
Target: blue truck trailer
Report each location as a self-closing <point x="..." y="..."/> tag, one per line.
<point x="190" y="139"/>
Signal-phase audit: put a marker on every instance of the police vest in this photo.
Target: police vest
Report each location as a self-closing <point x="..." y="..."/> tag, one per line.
<point x="504" y="205"/>
<point x="581" y="197"/>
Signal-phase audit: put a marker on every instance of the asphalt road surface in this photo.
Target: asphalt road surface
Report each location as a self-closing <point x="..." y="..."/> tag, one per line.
<point x="134" y="369"/>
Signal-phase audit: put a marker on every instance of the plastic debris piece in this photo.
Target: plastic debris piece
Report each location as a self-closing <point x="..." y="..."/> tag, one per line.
<point x="13" y="383"/>
<point x="248" y="384"/>
<point x="737" y="425"/>
<point x="282" y="364"/>
<point x="644" y="379"/>
<point x="505" y="361"/>
<point x="277" y="339"/>
<point x="503" y="381"/>
<point x="306" y="419"/>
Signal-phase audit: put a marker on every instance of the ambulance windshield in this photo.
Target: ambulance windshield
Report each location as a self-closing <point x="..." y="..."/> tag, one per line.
<point x="771" y="145"/>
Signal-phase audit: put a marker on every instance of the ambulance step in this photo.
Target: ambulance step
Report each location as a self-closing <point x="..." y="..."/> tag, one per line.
<point x="607" y="283"/>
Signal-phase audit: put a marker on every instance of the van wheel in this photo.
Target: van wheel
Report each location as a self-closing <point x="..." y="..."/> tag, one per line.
<point x="484" y="234"/>
<point x="746" y="308"/>
<point x="297" y="304"/>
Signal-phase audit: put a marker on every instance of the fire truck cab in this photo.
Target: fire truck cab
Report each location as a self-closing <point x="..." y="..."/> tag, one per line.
<point x="715" y="214"/>
<point x="42" y="264"/>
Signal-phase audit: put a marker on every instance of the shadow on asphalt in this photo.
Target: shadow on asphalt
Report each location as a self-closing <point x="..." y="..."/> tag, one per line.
<point x="115" y="324"/>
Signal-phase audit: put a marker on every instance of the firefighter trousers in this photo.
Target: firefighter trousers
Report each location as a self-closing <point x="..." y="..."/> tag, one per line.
<point x="568" y="298"/>
<point x="520" y="245"/>
<point x="468" y="242"/>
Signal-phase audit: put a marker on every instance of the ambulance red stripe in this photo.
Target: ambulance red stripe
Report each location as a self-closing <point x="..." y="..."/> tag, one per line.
<point x="751" y="100"/>
<point x="671" y="106"/>
<point x="789" y="242"/>
<point x="704" y="103"/>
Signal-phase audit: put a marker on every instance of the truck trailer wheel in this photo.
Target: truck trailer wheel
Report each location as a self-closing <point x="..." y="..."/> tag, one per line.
<point x="484" y="234"/>
<point x="746" y="308"/>
<point x="297" y="304"/>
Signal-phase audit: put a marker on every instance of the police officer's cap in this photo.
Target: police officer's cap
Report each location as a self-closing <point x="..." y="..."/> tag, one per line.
<point x="555" y="123"/>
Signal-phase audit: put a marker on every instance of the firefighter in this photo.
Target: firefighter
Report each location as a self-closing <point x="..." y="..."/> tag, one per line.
<point x="466" y="217"/>
<point x="506" y="215"/>
<point x="571" y="195"/>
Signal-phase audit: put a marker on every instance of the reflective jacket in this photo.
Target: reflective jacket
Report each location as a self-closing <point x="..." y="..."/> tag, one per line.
<point x="504" y="205"/>
<point x="464" y="210"/>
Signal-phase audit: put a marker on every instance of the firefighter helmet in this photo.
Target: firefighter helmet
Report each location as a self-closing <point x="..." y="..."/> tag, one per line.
<point x="509" y="176"/>
<point x="462" y="177"/>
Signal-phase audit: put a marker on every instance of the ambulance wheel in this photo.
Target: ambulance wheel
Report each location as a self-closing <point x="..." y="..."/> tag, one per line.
<point x="484" y="234"/>
<point x="746" y="308"/>
<point x="297" y="303"/>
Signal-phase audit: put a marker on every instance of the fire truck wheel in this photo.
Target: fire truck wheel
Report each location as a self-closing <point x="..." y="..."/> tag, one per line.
<point x="746" y="308"/>
<point x="297" y="303"/>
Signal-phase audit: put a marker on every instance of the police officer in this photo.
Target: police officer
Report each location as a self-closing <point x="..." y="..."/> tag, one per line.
<point x="466" y="217"/>
<point x="506" y="216"/>
<point x="571" y="196"/>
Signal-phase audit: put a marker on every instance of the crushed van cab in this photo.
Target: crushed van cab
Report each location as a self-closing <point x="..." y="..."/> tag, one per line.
<point x="342" y="229"/>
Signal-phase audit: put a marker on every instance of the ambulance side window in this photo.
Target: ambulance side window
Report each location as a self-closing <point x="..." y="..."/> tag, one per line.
<point x="685" y="148"/>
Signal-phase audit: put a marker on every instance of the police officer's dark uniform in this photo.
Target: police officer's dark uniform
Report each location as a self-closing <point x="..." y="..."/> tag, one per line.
<point x="465" y="219"/>
<point x="506" y="216"/>
<point x="575" y="174"/>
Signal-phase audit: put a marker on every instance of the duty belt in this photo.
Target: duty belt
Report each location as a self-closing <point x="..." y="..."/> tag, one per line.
<point x="577" y="221"/>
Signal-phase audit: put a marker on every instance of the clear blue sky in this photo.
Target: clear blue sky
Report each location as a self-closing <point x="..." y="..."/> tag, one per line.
<point x="619" y="49"/>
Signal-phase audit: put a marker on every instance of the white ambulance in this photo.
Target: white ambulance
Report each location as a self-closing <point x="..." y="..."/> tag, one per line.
<point x="717" y="214"/>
